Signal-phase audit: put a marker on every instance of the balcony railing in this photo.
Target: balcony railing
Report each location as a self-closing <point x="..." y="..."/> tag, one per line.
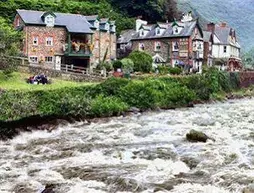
<point x="78" y="49"/>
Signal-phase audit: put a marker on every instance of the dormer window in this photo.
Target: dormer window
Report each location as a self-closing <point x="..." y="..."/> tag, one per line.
<point x="158" y="31"/>
<point x="107" y="26"/>
<point x="50" y="20"/>
<point x="142" y="33"/>
<point x="176" y="30"/>
<point x="96" y="24"/>
<point x="113" y="29"/>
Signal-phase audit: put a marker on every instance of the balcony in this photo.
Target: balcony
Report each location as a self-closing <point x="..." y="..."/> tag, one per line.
<point x="76" y="49"/>
<point x="79" y="45"/>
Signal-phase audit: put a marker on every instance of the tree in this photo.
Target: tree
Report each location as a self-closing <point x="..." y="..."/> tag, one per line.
<point x="142" y="61"/>
<point x="9" y="46"/>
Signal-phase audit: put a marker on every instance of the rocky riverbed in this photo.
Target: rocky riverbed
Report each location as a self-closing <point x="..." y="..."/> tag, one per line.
<point x="145" y="152"/>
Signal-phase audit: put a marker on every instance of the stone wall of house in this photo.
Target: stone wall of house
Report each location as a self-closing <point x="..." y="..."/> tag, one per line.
<point x="166" y="48"/>
<point x="102" y="41"/>
<point x="42" y="50"/>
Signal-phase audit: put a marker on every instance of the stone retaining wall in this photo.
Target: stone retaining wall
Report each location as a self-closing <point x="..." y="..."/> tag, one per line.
<point x="246" y="78"/>
<point x="60" y="74"/>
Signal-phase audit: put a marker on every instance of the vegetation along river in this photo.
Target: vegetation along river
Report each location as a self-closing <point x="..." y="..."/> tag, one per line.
<point x="139" y="153"/>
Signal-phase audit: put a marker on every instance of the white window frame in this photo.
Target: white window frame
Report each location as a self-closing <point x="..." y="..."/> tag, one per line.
<point x="49" y="39"/>
<point x="35" y="39"/>
<point x="96" y="24"/>
<point x="96" y="44"/>
<point x="174" y="44"/>
<point x="107" y="26"/>
<point x="158" y="30"/>
<point x="156" y="45"/>
<point x="141" y="46"/>
<point x="33" y="57"/>
<point x="142" y="33"/>
<point x="50" y="20"/>
<point x="47" y="61"/>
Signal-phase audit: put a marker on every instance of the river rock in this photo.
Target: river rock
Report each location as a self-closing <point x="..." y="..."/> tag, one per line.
<point x="49" y="189"/>
<point x="134" y="110"/>
<point x="197" y="136"/>
<point x="249" y="189"/>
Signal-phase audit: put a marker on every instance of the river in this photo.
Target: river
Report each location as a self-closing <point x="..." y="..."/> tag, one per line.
<point x="139" y="153"/>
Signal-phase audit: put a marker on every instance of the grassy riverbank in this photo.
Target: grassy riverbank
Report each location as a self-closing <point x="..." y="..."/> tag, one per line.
<point x="17" y="81"/>
<point x="112" y="97"/>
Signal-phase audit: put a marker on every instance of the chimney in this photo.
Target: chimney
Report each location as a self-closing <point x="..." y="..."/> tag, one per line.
<point x="223" y="24"/>
<point x="211" y="27"/>
<point x="139" y="23"/>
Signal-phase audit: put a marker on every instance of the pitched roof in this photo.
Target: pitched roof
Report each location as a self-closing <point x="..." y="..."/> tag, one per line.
<point x="126" y="36"/>
<point x="187" y="30"/>
<point x="104" y="20"/>
<point x="223" y="34"/>
<point x="74" y="23"/>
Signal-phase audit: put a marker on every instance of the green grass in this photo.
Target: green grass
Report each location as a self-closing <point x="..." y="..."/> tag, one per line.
<point x="17" y="81"/>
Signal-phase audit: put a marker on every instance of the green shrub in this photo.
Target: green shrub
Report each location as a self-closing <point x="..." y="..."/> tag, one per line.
<point x="138" y="95"/>
<point x="175" y="70"/>
<point x="127" y="65"/>
<point x="111" y="86"/>
<point x="142" y="61"/>
<point x="163" y="69"/>
<point x="117" y="64"/>
<point x="103" y="106"/>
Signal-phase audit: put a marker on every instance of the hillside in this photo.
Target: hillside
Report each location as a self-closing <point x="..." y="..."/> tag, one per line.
<point x="237" y="13"/>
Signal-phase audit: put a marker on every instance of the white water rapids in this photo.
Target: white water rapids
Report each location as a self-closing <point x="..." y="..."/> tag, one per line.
<point x="139" y="153"/>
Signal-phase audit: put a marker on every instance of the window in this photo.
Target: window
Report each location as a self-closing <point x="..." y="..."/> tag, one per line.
<point x="18" y="22"/>
<point x="35" y="40"/>
<point x="176" y="30"/>
<point x="107" y="26"/>
<point x="96" y="44"/>
<point x="157" y="46"/>
<point x="97" y="24"/>
<point x="225" y="49"/>
<point x="49" y="20"/>
<point x="141" y="46"/>
<point x="49" y="41"/>
<point x="49" y="59"/>
<point x="158" y="31"/>
<point x="33" y="59"/>
<point x="175" y="46"/>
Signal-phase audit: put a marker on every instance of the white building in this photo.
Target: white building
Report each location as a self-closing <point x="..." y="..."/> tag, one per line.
<point x="225" y="46"/>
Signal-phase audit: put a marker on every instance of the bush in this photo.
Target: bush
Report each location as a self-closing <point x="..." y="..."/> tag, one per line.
<point x="111" y="86"/>
<point x="175" y="70"/>
<point x="137" y="94"/>
<point x="163" y="69"/>
<point x="103" y="106"/>
<point x="142" y="61"/>
<point x="117" y="64"/>
<point x="127" y="65"/>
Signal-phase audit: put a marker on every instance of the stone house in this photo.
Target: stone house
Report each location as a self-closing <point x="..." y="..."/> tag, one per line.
<point x="225" y="46"/>
<point x="179" y="43"/>
<point x="52" y="39"/>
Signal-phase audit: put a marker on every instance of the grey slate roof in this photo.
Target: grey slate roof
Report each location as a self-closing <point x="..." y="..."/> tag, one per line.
<point x="74" y="23"/>
<point x="222" y="33"/>
<point x="126" y="36"/>
<point x="187" y="30"/>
